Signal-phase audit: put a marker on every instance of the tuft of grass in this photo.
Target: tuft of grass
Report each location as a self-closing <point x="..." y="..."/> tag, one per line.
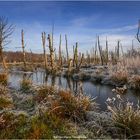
<point x="3" y="78"/>
<point x="42" y="126"/>
<point x="70" y="106"/>
<point x="119" y="77"/>
<point x="135" y="82"/>
<point x="125" y="117"/>
<point x="3" y="89"/>
<point x="47" y="126"/>
<point x="25" y="84"/>
<point x="43" y="92"/>
<point x="63" y="103"/>
<point x="5" y="103"/>
<point x="13" y="126"/>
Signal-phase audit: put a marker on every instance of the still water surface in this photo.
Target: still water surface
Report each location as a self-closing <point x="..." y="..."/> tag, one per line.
<point x="101" y="92"/>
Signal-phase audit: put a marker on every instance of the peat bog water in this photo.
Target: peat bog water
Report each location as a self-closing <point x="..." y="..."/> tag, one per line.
<point x="101" y="92"/>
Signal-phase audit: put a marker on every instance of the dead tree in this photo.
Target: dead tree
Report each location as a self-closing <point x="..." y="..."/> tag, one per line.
<point x="44" y="49"/>
<point x="76" y="55"/>
<point x="88" y="57"/>
<point x="81" y="61"/>
<point x="60" y="53"/>
<point x="107" y="58"/>
<point x="100" y="50"/>
<point x="52" y="34"/>
<point x="6" y="31"/>
<point x="73" y="56"/>
<point x="138" y="32"/>
<point x="118" y="50"/>
<point x="51" y="49"/>
<point x="67" y="48"/>
<point x="95" y="54"/>
<point x="23" y="49"/>
<point x="69" y="65"/>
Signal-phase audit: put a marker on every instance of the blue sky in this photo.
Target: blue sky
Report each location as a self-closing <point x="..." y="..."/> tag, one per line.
<point x="81" y="21"/>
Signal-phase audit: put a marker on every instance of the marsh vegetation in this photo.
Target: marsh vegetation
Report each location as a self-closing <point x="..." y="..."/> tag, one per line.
<point x="58" y="95"/>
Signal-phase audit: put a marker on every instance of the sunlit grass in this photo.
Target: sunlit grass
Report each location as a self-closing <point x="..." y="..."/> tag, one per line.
<point x="125" y="117"/>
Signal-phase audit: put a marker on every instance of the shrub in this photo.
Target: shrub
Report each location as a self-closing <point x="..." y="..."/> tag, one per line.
<point x="13" y="126"/>
<point x="25" y="84"/>
<point x="5" y="103"/>
<point x="3" y="78"/>
<point x="119" y="77"/>
<point x="125" y="117"/>
<point x="42" y="126"/>
<point x="43" y="92"/>
<point x="135" y="82"/>
<point x="3" y="90"/>
<point x="70" y="106"/>
<point x="47" y="126"/>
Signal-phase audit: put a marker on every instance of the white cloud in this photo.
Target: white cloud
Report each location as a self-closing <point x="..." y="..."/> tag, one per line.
<point x="85" y="20"/>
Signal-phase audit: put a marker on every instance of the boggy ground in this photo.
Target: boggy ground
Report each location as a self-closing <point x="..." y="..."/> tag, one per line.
<point x="124" y="73"/>
<point x="37" y="112"/>
<point x="113" y="76"/>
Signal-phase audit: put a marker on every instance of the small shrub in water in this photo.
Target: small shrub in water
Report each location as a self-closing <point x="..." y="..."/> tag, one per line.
<point x="3" y="78"/>
<point x="43" y="92"/>
<point x="26" y="84"/>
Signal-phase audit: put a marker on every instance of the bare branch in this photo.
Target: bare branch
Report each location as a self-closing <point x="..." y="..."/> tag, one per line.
<point x="6" y="31"/>
<point x="138" y="32"/>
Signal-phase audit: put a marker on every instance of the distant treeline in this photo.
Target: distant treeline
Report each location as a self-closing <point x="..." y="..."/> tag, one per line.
<point x="17" y="56"/>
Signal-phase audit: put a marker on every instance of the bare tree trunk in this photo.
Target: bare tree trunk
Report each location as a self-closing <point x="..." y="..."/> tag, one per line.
<point x="6" y="31"/>
<point x="81" y="61"/>
<point x="118" y="50"/>
<point x="95" y="57"/>
<point x="73" y="56"/>
<point x="67" y="48"/>
<point x="51" y="52"/>
<point x="100" y="50"/>
<point x="76" y="55"/>
<point x="44" y="49"/>
<point x="138" y="32"/>
<point x="69" y="65"/>
<point x="60" y="54"/>
<point x="3" y="59"/>
<point x="106" y="51"/>
<point x="23" y="49"/>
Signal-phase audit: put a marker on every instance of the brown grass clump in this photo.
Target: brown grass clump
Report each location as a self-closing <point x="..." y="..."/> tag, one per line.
<point x="133" y="64"/>
<point x="25" y="84"/>
<point x="3" y="78"/>
<point x="13" y="126"/>
<point x="43" y="92"/>
<point x="47" y="126"/>
<point x="5" y="103"/>
<point x="126" y="118"/>
<point x="42" y="126"/>
<point x="70" y="106"/>
<point x="135" y="82"/>
<point x="3" y="90"/>
<point x="119" y="77"/>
